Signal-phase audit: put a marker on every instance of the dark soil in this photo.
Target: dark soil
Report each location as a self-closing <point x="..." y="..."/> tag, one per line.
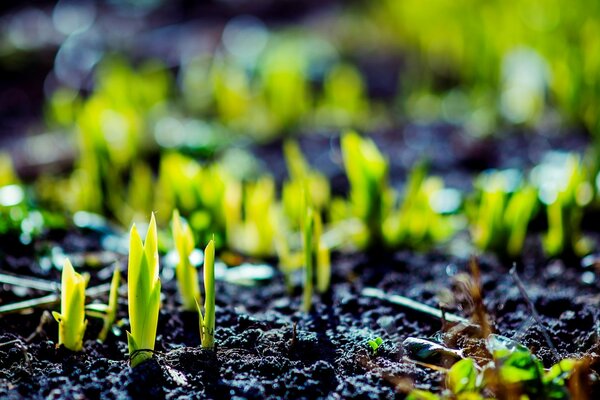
<point x="266" y="348"/>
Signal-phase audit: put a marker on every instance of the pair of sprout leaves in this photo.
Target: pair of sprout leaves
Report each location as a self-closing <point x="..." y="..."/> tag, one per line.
<point x="514" y="370"/>
<point x="143" y="299"/>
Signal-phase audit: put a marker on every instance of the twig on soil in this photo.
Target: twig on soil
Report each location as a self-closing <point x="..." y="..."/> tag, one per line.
<point x="480" y="315"/>
<point x="44" y="320"/>
<point x="30" y="283"/>
<point x="413" y="305"/>
<point x="532" y="310"/>
<point x="48" y="299"/>
<point x="10" y="342"/>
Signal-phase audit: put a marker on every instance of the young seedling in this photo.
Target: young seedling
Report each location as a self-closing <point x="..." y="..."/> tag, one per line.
<point x="107" y="312"/>
<point x="308" y="242"/>
<point x="71" y="320"/>
<point x="505" y="207"/>
<point x="367" y="171"/>
<point x="143" y="286"/>
<point x="416" y="223"/>
<point x="322" y="257"/>
<point x="187" y="275"/>
<point x="375" y="344"/>
<point x="207" y="321"/>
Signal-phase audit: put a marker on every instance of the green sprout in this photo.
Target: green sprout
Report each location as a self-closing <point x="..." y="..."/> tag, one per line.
<point x="462" y="377"/>
<point x="250" y="217"/>
<point x="207" y="321"/>
<point x="367" y="172"/>
<point x="416" y="223"/>
<point x="187" y="275"/>
<point x="71" y="320"/>
<point x="505" y="207"/>
<point x="107" y="312"/>
<point x="375" y="344"/>
<point x="143" y="286"/>
<point x="566" y="190"/>
<point x="514" y="371"/>
<point x="308" y="242"/>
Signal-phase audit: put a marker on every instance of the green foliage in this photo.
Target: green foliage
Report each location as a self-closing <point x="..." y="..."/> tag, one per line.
<point x="143" y="286"/>
<point x="309" y="268"/>
<point x="107" y="312"/>
<point x="520" y="372"/>
<point x="187" y="276"/>
<point x="344" y="102"/>
<point x="566" y="191"/>
<point x="374" y="344"/>
<point x="196" y="190"/>
<point x="304" y="185"/>
<point x="416" y="223"/>
<point x="514" y="372"/>
<point x="367" y="172"/>
<point x="418" y="394"/>
<point x="207" y="321"/>
<point x="462" y="377"/>
<point x="251" y="216"/>
<point x="506" y="74"/>
<point x="502" y="212"/>
<point x="71" y="319"/>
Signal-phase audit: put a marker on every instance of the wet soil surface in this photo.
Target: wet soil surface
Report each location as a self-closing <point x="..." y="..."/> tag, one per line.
<point x="266" y="348"/>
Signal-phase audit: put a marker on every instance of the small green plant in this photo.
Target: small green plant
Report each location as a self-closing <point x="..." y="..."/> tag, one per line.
<point x="502" y="214"/>
<point x="565" y="190"/>
<point x="416" y="223"/>
<point x="107" y="312"/>
<point x="250" y="217"/>
<point x="309" y="268"/>
<point x="207" y="321"/>
<point x="186" y="273"/>
<point x="374" y="344"/>
<point x="367" y="172"/>
<point x="513" y="373"/>
<point x="143" y="286"/>
<point x="71" y="320"/>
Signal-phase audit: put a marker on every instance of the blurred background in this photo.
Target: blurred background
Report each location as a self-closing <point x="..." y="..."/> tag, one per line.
<point x="98" y="99"/>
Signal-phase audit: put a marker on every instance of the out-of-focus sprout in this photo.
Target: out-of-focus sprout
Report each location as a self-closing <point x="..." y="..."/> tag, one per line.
<point x="304" y="185"/>
<point x="197" y="191"/>
<point x="417" y="223"/>
<point x="7" y="172"/>
<point x="231" y="88"/>
<point x="344" y="101"/>
<point x="367" y="172"/>
<point x="254" y="233"/>
<point x="207" y="321"/>
<point x="285" y="85"/>
<point x="143" y="289"/>
<point x="317" y="265"/>
<point x="565" y="189"/>
<point x="187" y="276"/>
<point x="107" y="312"/>
<point x="504" y="208"/>
<point x="140" y="193"/>
<point x="308" y="242"/>
<point x="62" y="107"/>
<point x="71" y="319"/>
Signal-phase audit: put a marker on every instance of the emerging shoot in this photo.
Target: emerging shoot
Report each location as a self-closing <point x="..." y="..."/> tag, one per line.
<point x="187" y="276"/>
<point x="107" y="312"/>
<point x="207" y="321"/>
<point x="375" y="344"/>
<point x="71" y="320"/>
<point x="143" y="286"/>
<point x="308" y="241"/>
